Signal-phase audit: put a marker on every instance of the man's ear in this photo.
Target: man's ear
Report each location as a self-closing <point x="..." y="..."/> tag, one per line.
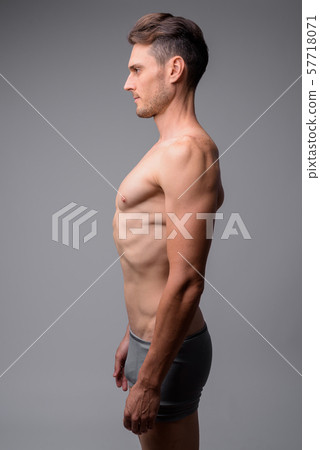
<point x="177" y="68"/>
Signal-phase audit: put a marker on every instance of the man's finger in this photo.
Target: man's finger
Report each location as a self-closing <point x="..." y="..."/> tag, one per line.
<point x="127" y="421"/>
<point x="118" y="364"/>
<point x="119" y="379"/>
<point x="135" y="426"/>
<point x="143" y="426"/>
<point x="124" y="383"/>
<point x="116" y="367"/>
<point x="119" y="375"/>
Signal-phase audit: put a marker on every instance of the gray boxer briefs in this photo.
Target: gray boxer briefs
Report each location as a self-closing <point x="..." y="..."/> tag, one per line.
<point x="182" y="386"/>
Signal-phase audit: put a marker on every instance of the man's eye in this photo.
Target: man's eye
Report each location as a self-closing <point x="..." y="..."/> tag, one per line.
<point x="136" y="69"/>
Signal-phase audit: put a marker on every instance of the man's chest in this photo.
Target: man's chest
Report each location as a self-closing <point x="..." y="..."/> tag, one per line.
<point x="139" y="190"/>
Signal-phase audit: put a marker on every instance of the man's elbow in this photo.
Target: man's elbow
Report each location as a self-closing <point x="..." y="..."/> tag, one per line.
<point x="189" y="286"/>
<point x="194" y="289"/>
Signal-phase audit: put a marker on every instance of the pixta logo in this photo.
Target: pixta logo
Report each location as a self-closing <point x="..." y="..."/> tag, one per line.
<point x="68" y="223"/>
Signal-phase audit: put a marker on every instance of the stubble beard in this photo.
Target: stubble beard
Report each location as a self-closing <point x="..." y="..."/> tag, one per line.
<point x="156" y="104"/>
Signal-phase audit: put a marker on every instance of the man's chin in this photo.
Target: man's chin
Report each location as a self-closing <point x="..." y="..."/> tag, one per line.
<point x="144" y="114"/>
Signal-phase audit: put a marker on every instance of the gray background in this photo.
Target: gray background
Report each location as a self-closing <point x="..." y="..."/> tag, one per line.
<point x="69" y="59"/>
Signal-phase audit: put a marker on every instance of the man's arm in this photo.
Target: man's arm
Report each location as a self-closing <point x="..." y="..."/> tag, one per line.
<point x="180" y="298"/>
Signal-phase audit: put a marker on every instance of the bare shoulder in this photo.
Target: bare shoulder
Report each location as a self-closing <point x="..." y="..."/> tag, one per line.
<point x="190" y="160"/>
<point x="190" y="155"/>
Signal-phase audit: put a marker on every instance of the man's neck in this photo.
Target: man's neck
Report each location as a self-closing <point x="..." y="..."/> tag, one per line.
<point x="178" y="116"/>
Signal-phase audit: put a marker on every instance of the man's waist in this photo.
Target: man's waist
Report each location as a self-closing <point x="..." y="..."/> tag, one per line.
<point x="143" y="327"/>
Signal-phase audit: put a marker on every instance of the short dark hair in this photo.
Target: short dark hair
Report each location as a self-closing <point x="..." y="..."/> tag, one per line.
<point x="173" y="35"/>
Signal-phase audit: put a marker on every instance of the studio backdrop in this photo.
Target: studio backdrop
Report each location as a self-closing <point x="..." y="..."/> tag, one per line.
<point x="69" y="135"/>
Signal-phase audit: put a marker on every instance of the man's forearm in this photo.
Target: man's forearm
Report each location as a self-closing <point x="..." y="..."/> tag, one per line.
<point x="176" y="310"/>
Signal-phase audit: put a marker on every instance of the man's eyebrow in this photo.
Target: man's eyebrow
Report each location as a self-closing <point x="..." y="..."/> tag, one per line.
<point x="133" y="66"/>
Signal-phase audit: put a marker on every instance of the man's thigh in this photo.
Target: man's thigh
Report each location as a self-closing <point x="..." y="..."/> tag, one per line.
<point x="180" y="435"/>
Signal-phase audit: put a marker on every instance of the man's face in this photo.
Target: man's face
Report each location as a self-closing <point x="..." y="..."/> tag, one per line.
<point x="147" y="82"/>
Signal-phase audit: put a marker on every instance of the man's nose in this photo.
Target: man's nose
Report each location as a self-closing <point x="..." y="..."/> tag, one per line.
<point x="128" y="84"/>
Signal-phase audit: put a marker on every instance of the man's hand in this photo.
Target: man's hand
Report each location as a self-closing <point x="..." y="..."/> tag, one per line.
<point x="141" y="408"/>
<point x="120" y="360"/>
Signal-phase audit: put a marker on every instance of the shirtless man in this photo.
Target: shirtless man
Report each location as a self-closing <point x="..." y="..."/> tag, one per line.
<point x="165" y="355"/>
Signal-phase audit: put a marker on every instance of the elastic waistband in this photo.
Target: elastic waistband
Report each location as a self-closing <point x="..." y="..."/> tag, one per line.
<point x="191" y="336"/>
<point x="198" y="333"/>
<point x="136" y="338"/>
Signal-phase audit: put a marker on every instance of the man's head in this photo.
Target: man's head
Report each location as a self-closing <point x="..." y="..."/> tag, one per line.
<point x="167" y="50"/>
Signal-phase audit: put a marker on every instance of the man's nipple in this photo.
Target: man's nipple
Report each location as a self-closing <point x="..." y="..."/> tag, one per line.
<point x="123" y="198"/>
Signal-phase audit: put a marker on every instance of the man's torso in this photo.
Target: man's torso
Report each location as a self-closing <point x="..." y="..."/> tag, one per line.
<point x="145" y="263"/>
